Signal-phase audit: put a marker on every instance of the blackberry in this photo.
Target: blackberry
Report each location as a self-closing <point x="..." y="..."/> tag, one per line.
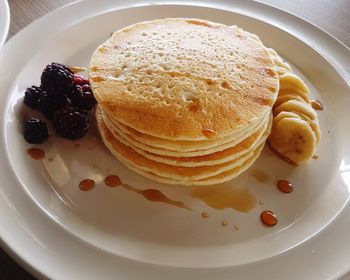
<point x="57" y="78"/>
<point x="50" y="103"/>
<point x="35" y="131"/>
<point x="71" y="122"/>
<point x="78" y="80"/>
<point x="32" y="96"/>
<point x="82" y="97"/>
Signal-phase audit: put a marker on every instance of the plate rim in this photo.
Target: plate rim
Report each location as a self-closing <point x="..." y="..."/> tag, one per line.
<point x="7" y="248"/>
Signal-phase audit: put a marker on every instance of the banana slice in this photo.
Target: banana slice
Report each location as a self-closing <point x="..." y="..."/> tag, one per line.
<point x="313" y="123"/>
<point x="298" y="107"/>
<point x="292" y="82"/>
<point x="286" y="97"/>
<point x="287" y="115"/>
<point x="314" y="126"/>
<point x="292" y="138"/>
<point x="297" y="93"/>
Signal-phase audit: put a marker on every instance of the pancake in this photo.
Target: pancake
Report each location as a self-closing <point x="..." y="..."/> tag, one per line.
<point x="175" y="174"/>
<point x="177" y="153"/>
<point x="219" y="157"/>
<point x="176" y="78"/>
<point x="180" y="146"/>
<point x="218" y="179"/>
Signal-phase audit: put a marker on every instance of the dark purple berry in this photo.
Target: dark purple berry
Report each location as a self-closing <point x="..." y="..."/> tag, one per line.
<point x="32" y="96"/>
<point x="35" y="131"/>
<point x="86" y="87"/>
<point x="50" y="103"/>
<point x="71" y="122"/>
<point x="78" y="80"/>
<point x="82" y="97"/>
<point x="57" y="78"/>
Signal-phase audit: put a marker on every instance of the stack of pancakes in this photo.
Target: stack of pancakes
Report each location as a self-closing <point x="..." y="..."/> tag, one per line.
<point x="184" y="101"/>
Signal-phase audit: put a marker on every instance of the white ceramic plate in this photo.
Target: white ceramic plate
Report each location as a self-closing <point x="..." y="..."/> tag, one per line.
<point x="56" y="230"/>
<point x="4" y="21"/>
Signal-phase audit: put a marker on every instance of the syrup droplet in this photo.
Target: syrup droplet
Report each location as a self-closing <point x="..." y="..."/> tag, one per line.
<point x="209" y="133"/>
<point x="197" y="22"/>
<point x="260" y="176"/>
<point x="205" y="215"/>
<point x="224" y="223"/>
<point x="236" y="227"/>
<point x="113" y="181"/>
<point x="315" y="156"/>
<point x="317" y="105"/>
<point x="98" y="79"/>
<point x="285" y="186"/>
<point x="77" y="69"/>
<point x="156" y="195"/>
<point x="268" y="218"/>
<point x="86" y="185"/>
<point x="226" y="196"/>
<point x="36" y="153"/>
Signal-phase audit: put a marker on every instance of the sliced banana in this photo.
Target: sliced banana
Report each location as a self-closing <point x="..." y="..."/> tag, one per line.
<point x="293" y="139"/>
<point x="314" y="126"/>
<point x="286" y="97"/>
<point x="297" y="93"/>
<point x="293" y="82"/>
<point x="295" y="130"/>
<point x="298" y="107"/>
<point x="313" y="123"/>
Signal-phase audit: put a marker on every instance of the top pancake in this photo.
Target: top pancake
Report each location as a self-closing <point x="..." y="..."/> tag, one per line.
<point x="180" y="78"/>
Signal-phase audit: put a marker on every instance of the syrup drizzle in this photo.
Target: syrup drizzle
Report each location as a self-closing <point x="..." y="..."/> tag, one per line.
<point x="87" y="185"/>
<point x="209" y="133"/>
<point x="317" y="105"/>
<point x="112" y="181"/>
<point x="35" y="153"/>
<point x="260" y="176"/>
<point x="285" y="186"/>
<point x="156" y="195"/>
<point x="225" y="196"/>
<point x="77" y="69"/>
<point x="268" y="218"/>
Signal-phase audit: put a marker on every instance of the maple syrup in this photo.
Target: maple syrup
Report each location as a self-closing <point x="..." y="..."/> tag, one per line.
<point x="86" y="185"/>
<point x="35" y="153"/>
<point x="268" y="218"/>
<point x="209" y="133"/>
<point x="285" y="186"/>
<point x="225" y="196"/>
<point x="260" y="176"/>
<point x="317" y="105"/>
<point x="112" y="181"/>
<point x="156" y="195"/>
